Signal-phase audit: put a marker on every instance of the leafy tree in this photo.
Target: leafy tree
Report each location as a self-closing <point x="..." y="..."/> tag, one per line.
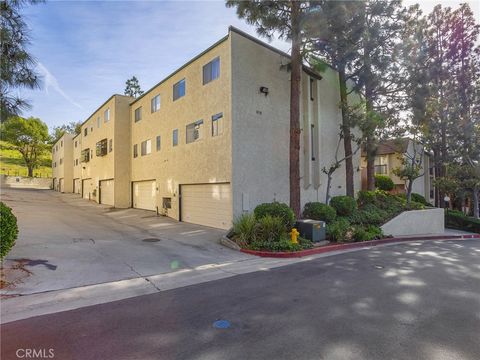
<point x="132" y="87"/>
<point x="17" y="65"/>
<point x="73" y="127"/>
<point x="28" y="136"/>
<point x="283" y="18"/>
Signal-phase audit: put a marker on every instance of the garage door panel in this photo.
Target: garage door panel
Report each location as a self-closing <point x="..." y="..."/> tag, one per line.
<point x="107" y="192"/>
<point x="88" y="189"/>
<point x="77" y="187"/>
<point x="144" y="195"/>
<point x="207" y="204"/>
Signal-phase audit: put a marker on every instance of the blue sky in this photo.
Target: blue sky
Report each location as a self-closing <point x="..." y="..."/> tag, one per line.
<point x="86" y="50"/>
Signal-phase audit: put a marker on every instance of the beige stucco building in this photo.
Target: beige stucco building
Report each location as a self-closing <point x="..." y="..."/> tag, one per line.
<point x="390" y="156"/>
<point x="62" y="168"/>
<point x="77" y="164"/>
<point x="211" y="140"/>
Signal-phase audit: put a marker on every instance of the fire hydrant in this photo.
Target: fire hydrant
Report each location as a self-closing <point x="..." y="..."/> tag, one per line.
<point x="294" y="235"/>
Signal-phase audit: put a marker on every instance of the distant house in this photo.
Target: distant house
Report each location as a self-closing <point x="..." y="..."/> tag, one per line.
<point x="390" y="154"/>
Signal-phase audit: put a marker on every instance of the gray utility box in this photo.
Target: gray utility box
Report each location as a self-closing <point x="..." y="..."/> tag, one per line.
<point x="313" y="230"/>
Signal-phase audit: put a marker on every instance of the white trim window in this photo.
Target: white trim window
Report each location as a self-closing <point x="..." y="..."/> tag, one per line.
<point x="106" y="115"/>
<point x="155" y="103"/>
<point x="211" y="71"/>
<point x="217" y="124"/>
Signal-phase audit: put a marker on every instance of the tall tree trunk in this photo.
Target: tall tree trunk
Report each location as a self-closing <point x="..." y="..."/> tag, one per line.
<point x="347" y="136"/>
<point x="30" y="171"/>
<point x="475" y="202"/>
<point x="436" y="169"/>
<point x="295" y="109"/>
<point x="409" y="191"/>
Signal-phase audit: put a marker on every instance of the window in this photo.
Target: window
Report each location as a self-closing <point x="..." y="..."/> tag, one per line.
<point x="110" y="145"/>
<point x="155" y="103"/>
<point x="211" y="71"/>
<point x="146" y="147"/>
<point x="85" y="155"/>
<point x="91" y="154"/>
<point x="106" y="115"/>
<point x="194" y="131"/>
<point x="91" y="129"/>
<point x="175" y="137"/>
<point x="158" y="143"/>
<point x="98" y="122"/>
<point x="217" y="124"/>
<point x="56" y="147"/>
<point x="312" y="83"/>
<point x="53" y="150"/>
<point x="179" y="90"/>
<point x="101" y="148"/>
<point x="76" y="162"/>
<point x="61" y="161"/>
<point x="138" y="114"/>
<point x="167" y="203"/>
<point x="135" y="150"/>
<point x="61" y="143"/>
<point x="76" y="143"/>
<point x="312" y="139"/>
<point x="85" y="132"/>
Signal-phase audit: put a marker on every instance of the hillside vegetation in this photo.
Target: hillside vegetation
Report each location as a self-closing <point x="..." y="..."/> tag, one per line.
<point x="11" y="162"/>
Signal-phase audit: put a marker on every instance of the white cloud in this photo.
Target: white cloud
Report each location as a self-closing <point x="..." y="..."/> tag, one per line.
<point x="50" y="81"/>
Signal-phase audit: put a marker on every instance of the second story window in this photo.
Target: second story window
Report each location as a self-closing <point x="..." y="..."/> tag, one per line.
<point x="217" y="124"/>
<point x="158" y="143"/>
<point x="106" y="115"/>
<point x="146" y="147"/>
<point x="76" y="143"/>
<point x="175" y="137"/>
<point x="211" y="71"/>
<point x="135" y="150"/>
<point x="101" y="148"/>
<point x="179" y="89"/>
<point x="155" y="103"/>
<point x="194" y="131"/>
<point x="98" y="122"/>
<point x="110" y="145"/>
<point x="61" y="143"/>
<point x="138" y="114"/>
<point x="85" y="155"/>
<point x="85" y="131"/>
<point x="61" y="161"/>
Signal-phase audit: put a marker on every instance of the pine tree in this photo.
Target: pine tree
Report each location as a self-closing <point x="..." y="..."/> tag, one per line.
<point x="132" y="87"/>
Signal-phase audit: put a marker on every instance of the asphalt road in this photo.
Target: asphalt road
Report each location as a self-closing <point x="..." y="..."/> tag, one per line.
<point x="410" y="301"/>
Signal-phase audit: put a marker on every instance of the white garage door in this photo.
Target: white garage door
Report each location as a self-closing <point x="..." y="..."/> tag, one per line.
<point x="76" y="186"/>
<point x="88" y="189"/>
<point x="144" y="195"/>
<point x="106" y="192"/>
<point x="207" y="204"/>
<point x="60" y="186"/>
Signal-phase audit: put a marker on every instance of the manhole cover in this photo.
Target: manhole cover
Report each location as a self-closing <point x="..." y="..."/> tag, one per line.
<point x="151" y="240"/>
<point x="221" y="324"/>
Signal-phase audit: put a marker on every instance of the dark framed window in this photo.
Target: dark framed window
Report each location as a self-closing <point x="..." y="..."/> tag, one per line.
<point x="179" y="89"/>
<point x="312" y="139"/>
<point x="85" y="155"/>
<point x="217" y="124"/>
<point x="312" y="83"/>
<point x="101" y="148"/>
<point x="175" y="137"/>
<point x="85" y="132"/>
<point x="61" y="143"/>
<point x="110" y="145"/>
<point x="135" y="150"/>
<point x="211" y="71"/>
<point x="167" y="203"/>
<point x="76" y="143"/>
<point x="158" y="143"/>
<point x="138" y="114"/>
<point x="155" y="103"/>
<point x="194" y="131"/>
<point x="146" y="147"/>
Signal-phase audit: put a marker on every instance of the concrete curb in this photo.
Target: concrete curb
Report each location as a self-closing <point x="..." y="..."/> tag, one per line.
<point x="365" y="244"/>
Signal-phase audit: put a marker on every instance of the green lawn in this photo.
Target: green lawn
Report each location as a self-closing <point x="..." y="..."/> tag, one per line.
<point x="11" y="162"/>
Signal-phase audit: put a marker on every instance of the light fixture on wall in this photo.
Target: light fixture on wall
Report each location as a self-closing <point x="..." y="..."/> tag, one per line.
<point x="264" y="90"/>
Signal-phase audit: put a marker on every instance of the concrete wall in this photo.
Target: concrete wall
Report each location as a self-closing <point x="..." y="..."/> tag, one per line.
<point x="26" y="182"/>
<point x="207" y="160"/>
<point x="261" y="129"/>
<point x="428" y="221"/>
<point x="77" y="151"/>
<point x="62" y="163"/>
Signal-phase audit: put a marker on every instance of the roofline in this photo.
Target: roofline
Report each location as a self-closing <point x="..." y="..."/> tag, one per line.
<point x="110" y="98"/>
<point x="180" y="68"/>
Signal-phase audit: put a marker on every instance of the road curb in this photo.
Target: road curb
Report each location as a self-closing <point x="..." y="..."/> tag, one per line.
<point x="364" y="244"/>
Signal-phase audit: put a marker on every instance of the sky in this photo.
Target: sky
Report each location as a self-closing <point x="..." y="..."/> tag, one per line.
<point x="86" y="50"/>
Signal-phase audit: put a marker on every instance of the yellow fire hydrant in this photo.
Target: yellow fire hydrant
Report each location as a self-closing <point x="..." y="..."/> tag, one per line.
<point x="294" y="235"/>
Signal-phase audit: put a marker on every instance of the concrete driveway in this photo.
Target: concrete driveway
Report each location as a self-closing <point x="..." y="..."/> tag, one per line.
<point x="66" y="242"/>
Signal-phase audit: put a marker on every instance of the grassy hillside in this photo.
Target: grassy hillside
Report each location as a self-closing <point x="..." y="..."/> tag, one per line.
<point x="11" y="162"/>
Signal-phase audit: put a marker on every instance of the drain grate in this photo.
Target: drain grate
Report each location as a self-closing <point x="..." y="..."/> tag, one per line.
<point x="151" y="240"/>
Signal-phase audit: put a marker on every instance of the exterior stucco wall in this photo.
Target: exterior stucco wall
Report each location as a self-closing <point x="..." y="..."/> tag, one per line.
<point x="100" y="168"/>
<point x="261" y="125"/>
<point x="207" y="160"/>
<point x="416" y="222"/>
<point x="77" y="151"/>
<point x="63" y="153"/>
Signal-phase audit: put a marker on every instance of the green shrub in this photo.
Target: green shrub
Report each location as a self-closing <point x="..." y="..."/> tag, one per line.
<point x="271" y="229"/>
<point x="245" y="229"/>
<point x="383" y="182"/>
<point x="415" y="206"/>
<point x="319" y="211"/>
<point x="457" y="220"/>
<point x="420" y="199"/>
<point x="367" y="233"/>
<point x="366" y="197"/>
<point x="8" y="229"/>
<point x="276" y="209"/>
<point x="369" y="214"/>
<point x="339" y="230"/>
<point x="284" y="244"/>
<point x="344" y="205"/>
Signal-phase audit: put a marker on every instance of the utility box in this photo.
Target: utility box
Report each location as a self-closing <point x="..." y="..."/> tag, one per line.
<point x="313" y="230"/>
